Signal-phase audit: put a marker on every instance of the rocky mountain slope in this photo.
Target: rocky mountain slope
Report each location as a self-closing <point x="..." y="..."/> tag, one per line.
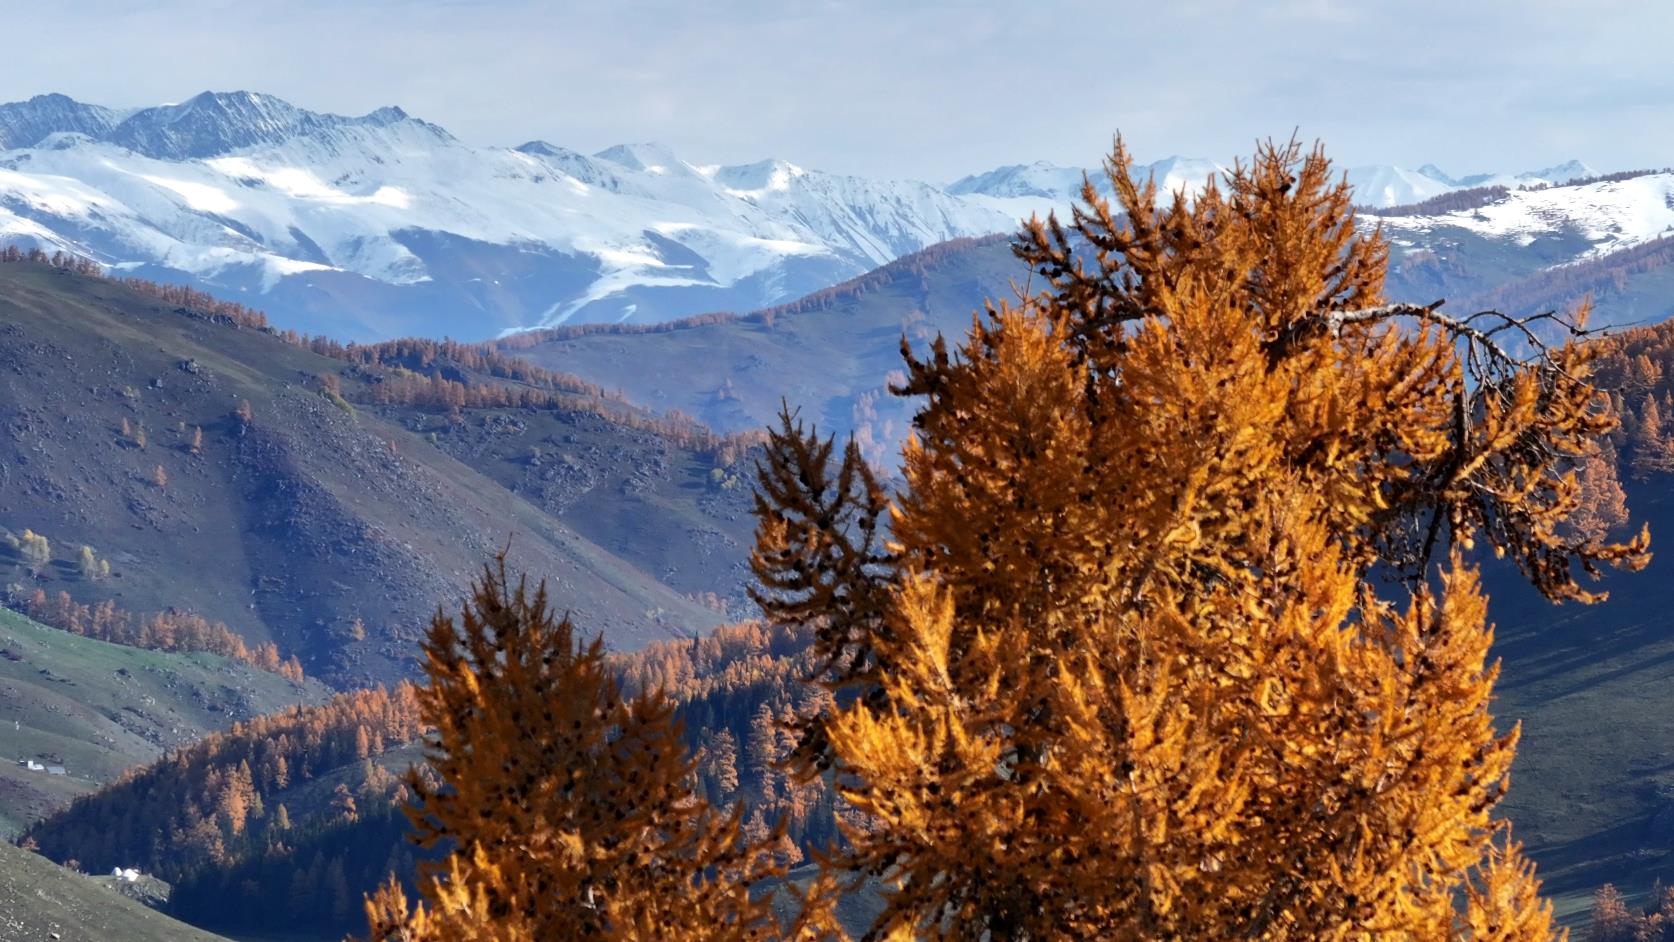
<point x="220" y="468"/>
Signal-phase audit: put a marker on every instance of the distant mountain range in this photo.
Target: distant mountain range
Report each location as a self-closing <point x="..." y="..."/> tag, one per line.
<point x="384" y="225"/>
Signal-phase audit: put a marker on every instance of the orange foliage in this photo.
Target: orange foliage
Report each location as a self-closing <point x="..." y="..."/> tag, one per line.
<point x="210" y="798"/>
<point x="565" y="808"/>
<point x="1120" y="672"/>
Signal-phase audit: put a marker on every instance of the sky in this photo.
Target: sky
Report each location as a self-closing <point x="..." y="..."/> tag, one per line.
<point x="923" y="90"/>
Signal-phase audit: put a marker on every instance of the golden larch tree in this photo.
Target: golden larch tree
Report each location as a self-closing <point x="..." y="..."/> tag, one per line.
<point x="568" y="808"/>
<point x="1119" y="672"/>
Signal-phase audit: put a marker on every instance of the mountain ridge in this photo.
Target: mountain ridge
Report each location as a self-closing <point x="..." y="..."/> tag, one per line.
<point x="385" y="225"/>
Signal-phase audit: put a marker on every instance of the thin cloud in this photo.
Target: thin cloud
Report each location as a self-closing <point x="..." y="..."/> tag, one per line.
<point x="929" y="90"/>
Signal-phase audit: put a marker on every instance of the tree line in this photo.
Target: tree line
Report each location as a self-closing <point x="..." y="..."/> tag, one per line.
<point x="220" y="799"/>
<point x="167" y="630"/>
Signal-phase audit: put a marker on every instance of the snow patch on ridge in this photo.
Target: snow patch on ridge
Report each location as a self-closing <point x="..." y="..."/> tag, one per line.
<point x="1611" y="215"/>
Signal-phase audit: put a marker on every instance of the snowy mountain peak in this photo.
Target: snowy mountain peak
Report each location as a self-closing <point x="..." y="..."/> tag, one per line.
<point x="389" y="114"/>
<point x="648" y="157"/>
<point x="1181" y="174"/>
<point x="1436" y="173"/>
<point x="1040" y="180"/>
<point x="1560" y="173"/>
<point x="1388" y="185"/>
<point x="1378" y="185"/>
<point x="207" y="125"/>
<point x="382" y="225"/>
<point x="214" y="124"/>
<point x="545" y="149"/>
<point x="27" y="123"/>
<point x="1059" y="185"/>
<point x="761" y="176"/>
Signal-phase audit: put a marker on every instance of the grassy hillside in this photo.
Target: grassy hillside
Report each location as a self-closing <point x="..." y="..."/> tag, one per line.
<point x="42" y="902"/>
<point x="96" y="709"/>
<point x="1592" y="790"/>
<point x="322" y="509"/>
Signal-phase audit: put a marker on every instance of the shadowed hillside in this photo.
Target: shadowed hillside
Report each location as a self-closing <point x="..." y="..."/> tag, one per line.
<point x="834" y="352"/>
<point x="42" y="902"/>
<point x="218" y="468"/>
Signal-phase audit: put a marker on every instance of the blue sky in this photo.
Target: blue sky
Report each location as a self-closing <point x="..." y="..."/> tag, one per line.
<point x="931" y="90"/>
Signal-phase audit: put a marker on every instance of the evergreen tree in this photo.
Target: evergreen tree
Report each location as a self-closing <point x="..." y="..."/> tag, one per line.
<point x="1603" y="505"/>
<point x="1653" y="448"/>
<point x="723" y="756"/>
<point x="568" y="808"/>
<point x="1121" y="673"/>
<point x="1611" y="920"/>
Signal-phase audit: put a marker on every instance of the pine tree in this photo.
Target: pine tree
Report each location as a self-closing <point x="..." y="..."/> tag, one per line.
<point x="568" y="807"/>
<point x="1121" y="673"/>
<point x="1603" y="504"/>
<point x="1653" y="448"/>
<point x="763" y="747"/>
<point x="1611" y="921"/>
<point x="237" y="798"/>
<point x="723" y="762"/>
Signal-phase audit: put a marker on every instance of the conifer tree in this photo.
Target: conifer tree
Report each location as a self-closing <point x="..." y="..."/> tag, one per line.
<point x="723" y="756"/>
<point x="1121" y="674"/>
<point x="569" y="809"/>
<point x="1611" y="920"/>
<point x="1653" y="448"/>
<point x="1603" y="505"/>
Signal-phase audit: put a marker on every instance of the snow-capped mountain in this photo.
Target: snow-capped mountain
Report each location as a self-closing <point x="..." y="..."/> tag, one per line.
<point x="384" y="224"/>
<point x="1571" y="223"/>
<point x="1378" y="185"/>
